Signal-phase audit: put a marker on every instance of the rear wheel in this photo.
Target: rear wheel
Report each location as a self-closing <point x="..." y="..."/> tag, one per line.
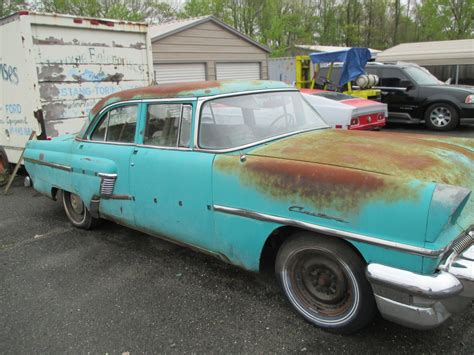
<point x="77" y="212"/>
<point x="441" y="117"/>
<point x="325" y="282"/>
<point x="4" y="168"/>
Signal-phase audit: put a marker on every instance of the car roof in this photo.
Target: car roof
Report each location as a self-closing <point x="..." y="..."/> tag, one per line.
<point x="312" y="91"/>
<point x="189" y="90"/>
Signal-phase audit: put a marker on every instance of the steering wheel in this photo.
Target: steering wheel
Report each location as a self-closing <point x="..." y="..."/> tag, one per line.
<point x="279" y="118"/>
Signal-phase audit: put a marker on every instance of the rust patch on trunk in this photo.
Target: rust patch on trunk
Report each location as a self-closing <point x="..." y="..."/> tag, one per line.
<point x="411" y="156"/>
<point x="320" y="186"/>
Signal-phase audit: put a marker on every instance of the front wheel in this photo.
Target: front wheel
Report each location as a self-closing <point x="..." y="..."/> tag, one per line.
<point x="325" y="282"/>
<point x="77" y="212"/>
<point x="441" y="117"/>
<point x="4" y="171"/>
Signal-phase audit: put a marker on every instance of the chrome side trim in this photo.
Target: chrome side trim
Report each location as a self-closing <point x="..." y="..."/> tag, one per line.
<point x="397" y="88"/>
<point x="436" y="286"/>
<point x="104" y="175"/>
<point x="399" y="115"/>
<point x="49" y="164"/>
<point x="116" y="197"/>
<point x="331" y="231"/>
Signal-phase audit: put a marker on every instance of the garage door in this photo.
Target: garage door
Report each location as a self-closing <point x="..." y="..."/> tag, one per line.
<point x="237" y="71"/>
<point x="179" y="73"/>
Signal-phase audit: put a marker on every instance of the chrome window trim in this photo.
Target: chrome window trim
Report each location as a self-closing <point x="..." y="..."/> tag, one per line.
<point x="331" y="231"/>
<point x="49" y="164"/>
<point x="163" y="148"/>
<point x="134" y="145"/>
<point x="228" y="150"/>
<point x="179" y="131"/>
<point x="137" y="102"/>
<point x="203" y="99"/>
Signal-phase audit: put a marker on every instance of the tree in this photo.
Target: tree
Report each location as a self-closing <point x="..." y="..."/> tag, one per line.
<point x="131" y="10"/>
<point x="7" y="7"/>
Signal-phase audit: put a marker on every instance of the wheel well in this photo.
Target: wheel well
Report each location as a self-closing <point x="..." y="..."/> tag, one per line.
<point x="450" y="103"/>
<point x="54" y="193"/>
<point x="276" y="239"/>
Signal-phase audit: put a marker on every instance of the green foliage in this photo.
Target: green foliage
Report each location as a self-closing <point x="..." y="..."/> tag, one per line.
<point x="130" y="10"/>
<point x="281" y="24"/>
<point x="7" y="7"/>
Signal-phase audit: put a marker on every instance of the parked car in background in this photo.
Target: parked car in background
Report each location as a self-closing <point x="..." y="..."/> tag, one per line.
<point x="414" y="95"/>
<point x="250" y="173"/>
<point x="347" y="112"/>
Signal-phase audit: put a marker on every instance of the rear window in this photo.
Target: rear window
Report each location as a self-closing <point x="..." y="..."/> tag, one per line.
<point x="336" y="96"/>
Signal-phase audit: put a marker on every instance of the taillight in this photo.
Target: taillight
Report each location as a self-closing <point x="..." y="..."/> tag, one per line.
<point x="381" y="117"/>
<point x="354" y="122"/>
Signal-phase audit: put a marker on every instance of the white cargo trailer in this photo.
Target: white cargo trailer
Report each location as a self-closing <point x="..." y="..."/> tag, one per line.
<point x="54" y="68"/>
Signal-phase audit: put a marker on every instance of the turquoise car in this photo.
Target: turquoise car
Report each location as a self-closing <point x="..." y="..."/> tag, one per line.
<point x="247" y="171"/>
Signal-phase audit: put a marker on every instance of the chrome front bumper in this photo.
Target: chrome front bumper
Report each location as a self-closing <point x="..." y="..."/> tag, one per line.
<point x="424" y="301"/>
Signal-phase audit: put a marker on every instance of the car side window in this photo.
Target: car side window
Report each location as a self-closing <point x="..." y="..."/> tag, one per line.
<point x="168" y="125"/>
<point x="392" y="77"/>
<point x="118" y="125"/>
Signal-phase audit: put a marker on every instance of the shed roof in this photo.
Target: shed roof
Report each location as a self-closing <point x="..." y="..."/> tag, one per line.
<point x="431" y="53"/>
<point x="318" y="48"/>
<point x="188" y="90"/>
<point x="166" y="29"/>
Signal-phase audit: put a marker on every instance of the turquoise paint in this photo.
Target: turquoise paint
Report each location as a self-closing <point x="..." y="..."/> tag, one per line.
<point x="186" y="183"/>
<point x="228" y="190"/>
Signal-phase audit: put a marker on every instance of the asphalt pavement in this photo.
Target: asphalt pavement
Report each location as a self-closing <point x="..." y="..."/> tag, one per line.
<point x="114" y="290"/>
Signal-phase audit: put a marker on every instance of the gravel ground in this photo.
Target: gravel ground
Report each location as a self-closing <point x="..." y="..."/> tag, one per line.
<point x="114" y="290"/>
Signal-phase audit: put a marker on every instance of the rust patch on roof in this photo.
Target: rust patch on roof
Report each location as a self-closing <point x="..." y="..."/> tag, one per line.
<point x="192" y="89"/>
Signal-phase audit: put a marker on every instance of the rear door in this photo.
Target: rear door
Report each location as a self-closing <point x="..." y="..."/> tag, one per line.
<point x="171" y="183"/>
<point x="102" y="162"/>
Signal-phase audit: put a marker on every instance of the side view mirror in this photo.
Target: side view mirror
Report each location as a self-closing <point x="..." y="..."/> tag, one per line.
<point x="449" y="81"/>
<point x="406" y="84"/>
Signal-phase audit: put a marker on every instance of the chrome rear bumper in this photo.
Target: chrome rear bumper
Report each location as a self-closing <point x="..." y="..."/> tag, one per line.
<point x="424" y="301"/>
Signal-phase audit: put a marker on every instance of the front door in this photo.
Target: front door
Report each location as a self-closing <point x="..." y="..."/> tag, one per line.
<point x="399" y="93"/>
<point x="171" y="182"/>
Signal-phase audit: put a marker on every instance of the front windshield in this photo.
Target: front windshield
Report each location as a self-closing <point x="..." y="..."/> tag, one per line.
<point x="422" y="76"/>
<point x="236" y="121"/>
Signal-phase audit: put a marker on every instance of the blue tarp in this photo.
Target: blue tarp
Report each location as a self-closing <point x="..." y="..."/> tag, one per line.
<point x="354" y="60"/>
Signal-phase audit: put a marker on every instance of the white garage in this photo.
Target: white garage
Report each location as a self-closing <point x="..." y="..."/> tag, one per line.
<point x="180" y="72"/>
<point x="249" y="71"/>
<point x="205" y="48"/>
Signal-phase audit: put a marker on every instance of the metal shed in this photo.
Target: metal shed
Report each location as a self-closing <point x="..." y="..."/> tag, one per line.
<point x="443" y="58"/>
<point x="205" y="48"/>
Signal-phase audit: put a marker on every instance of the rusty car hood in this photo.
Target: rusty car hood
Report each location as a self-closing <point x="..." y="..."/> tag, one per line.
<point x="426" y="158"/>
<point x="377" y="156"/>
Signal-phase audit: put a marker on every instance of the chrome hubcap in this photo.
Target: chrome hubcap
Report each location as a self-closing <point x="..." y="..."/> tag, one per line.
<point x="77" y="204"/>
<point x="440" y="116"/>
